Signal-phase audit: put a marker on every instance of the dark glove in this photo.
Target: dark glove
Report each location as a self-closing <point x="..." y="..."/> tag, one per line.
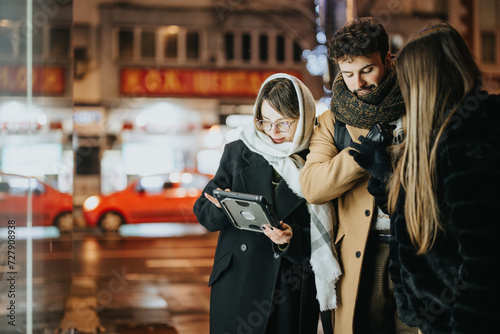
<point x="372" y="157"/>
<point x="382" y="133"/>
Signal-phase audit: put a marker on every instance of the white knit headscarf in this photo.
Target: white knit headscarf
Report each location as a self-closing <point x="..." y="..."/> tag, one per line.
<point x="288" y="164"/>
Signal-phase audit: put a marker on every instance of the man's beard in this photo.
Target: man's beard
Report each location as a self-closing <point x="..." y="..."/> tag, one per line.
<point x="368" y="89"/>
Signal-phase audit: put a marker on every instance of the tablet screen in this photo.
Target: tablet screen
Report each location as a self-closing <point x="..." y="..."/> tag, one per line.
<point x="247" y="211"/>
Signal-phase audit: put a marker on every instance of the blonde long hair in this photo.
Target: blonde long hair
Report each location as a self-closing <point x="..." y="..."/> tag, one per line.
<point x="436" y="71"/>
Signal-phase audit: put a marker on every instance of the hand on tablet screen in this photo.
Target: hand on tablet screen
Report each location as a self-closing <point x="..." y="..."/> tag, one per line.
<point x="213" y="199"/>
<point x="279" y="237"/>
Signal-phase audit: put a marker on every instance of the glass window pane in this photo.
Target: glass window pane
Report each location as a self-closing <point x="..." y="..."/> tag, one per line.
<point x="126" y="43"/>
<point x="488" y="10"/>
<point x="37" y="45"/>
<point x="297" y="52"/>
<point x="60" y="40"/>
<point x="88" y="161"/>
<point x="170" y="42"/>
<point x="245" y="47"/>
<point x="148" y="44"/>
<point x="488" y="47"/>
<point x="280" y="48"/>
<point x="193" y="45"/>
<point x="5" y="41"/>
<point x="229" y="45"/>
<point x="263" y="48"/>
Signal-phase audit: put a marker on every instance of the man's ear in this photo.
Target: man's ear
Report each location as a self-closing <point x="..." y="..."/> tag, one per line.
<point x="387" y="60"/>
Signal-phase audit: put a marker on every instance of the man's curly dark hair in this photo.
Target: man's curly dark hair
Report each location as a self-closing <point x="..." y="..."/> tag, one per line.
<point x="361" y="37"/>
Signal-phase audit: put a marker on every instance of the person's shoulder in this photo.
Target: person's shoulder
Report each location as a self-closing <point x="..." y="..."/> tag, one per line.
<point x="493" y="99"/>
<point x="475" y="126"/>
<point x="477" y="112"/>
<point x="326" y="119"/>
<point x="235" y="144"/>
<point x="492" y="119"/>
<point x="325" y="116"/>
<point x="484" y="111"/>
<point x="239" y="148"/>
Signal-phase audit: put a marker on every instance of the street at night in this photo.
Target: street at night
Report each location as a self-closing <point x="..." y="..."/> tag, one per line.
<point x="120" y="119"/>
<point x="93" y="281"/>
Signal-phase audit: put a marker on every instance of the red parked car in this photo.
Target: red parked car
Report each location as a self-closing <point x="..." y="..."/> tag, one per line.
<point x="50" y="207"/>
<point x="149" y="199"/>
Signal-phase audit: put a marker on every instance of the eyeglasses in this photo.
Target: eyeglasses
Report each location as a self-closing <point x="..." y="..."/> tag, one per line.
<point x="283" y="126"/>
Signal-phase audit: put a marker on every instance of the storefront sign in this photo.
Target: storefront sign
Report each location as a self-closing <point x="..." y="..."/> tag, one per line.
<point x="47" y="80"/>
<point x="139" y="82"/>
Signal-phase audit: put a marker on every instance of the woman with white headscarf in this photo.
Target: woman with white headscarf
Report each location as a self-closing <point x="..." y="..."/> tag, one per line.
<point x="276" y="281"/>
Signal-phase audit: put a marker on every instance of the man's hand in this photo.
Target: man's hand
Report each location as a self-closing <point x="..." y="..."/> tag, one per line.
<point x="372" y="157"/>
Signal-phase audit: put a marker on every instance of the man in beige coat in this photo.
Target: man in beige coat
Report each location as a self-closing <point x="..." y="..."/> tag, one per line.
<point x="364" y="92"/>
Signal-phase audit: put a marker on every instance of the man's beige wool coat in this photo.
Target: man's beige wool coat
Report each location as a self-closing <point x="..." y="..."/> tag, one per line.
<point x="329" y="174"/>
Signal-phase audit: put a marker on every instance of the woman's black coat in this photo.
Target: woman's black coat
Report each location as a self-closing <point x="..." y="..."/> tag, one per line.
<point x="256" y="288"/>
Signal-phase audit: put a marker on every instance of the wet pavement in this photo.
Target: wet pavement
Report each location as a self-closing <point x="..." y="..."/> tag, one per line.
<point x="96" y="282"/>
<point x="122" y="283"/>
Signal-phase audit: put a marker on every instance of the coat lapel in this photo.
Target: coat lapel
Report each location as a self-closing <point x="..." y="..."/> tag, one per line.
<point x="356" y="132"/>
<point x="286" y="201"/>
<point x="257" y="176"/>
<point x="257" y="179"/>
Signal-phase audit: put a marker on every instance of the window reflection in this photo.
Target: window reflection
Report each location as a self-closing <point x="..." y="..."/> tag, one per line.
<point x="193" y="45"/>
<point x="60" y="42"/>
<point x="148" y="47"/>
<point x="126" y="43"/>
<point x="488" y="47"/>
<point x="263" y="48"/>
<point x="246" y="47"/>
<point x="170" y="40"/>
<point x="229" y="46"/>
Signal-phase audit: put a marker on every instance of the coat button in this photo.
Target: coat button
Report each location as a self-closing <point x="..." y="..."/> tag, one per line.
<point x="358" y="254"/>
<point x="243" y="247"/>
<point x="367" y="213"/>
<point x="276" y="256"/>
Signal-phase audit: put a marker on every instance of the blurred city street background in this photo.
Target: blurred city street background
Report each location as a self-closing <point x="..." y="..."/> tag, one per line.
<point x="113" y="117"/>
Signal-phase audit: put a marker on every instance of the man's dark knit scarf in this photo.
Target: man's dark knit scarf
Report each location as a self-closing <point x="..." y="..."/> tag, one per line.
<point x="383" y="104"/>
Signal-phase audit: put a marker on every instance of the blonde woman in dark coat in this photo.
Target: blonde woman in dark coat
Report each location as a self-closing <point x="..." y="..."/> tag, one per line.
<point x="444" y="191"/>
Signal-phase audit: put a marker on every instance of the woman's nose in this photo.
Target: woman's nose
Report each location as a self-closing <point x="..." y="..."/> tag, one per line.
<point x="274" y="129"/>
